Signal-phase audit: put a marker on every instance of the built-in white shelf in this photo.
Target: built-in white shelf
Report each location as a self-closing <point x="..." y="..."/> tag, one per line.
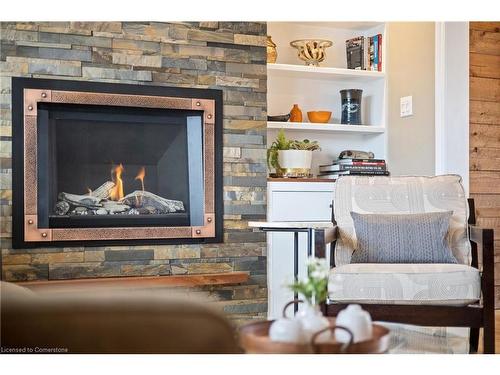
<point x="290" y="81"/>
<point x="315" y="127"/>
<point x="305" y="71"/>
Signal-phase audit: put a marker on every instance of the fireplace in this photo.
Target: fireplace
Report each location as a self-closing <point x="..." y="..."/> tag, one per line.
<point x="102" y="163"/>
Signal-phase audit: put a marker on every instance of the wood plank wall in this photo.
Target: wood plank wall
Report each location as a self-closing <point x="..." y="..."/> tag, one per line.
<point x="484" y="81"/>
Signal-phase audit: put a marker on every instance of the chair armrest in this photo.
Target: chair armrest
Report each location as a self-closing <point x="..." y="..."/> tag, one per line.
<point x="480" y="235"/>
<point x="482" y="239"/>
<point x="331" y="234"/>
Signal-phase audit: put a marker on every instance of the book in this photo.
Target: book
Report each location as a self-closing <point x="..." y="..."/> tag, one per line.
<point x="350" y="167"/>
<point x="335" y="175"/>
<point x="359" y="161"/>
<point x="379" y="65"/>
<point x="367" y="173"/>
<point x="364" y="53"/>
<point x="355" y="53"/>
<point x="371" y="55"/>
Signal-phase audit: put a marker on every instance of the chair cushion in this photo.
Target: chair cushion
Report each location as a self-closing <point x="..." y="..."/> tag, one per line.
<point x="400" y="195"/>
<point x="391" y="283"/>
<point x="402" y="238"/>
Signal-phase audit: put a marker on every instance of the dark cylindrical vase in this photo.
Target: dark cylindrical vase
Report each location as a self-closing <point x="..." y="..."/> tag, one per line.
<point x="351" y="106"/>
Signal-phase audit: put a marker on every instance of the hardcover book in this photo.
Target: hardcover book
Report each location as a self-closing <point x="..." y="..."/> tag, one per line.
<point x="355" y="53"/>
<point x="347" y="167"/>
<point x="379" y="52"/>
<point x="371" y="53"/>
<point x="358" y="161"/>
<point x="375" y="52"/>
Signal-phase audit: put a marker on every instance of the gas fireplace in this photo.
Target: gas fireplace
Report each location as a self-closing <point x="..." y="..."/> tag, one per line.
<point x="115" y="166"/>
<point x="98" y="163"/>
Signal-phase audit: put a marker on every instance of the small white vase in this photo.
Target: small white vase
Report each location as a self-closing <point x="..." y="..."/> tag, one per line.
<point x="295" y="159"/>
<point x="312" y="321"/>
<point x="286" y="330"/>
<point x="355" y="319"/>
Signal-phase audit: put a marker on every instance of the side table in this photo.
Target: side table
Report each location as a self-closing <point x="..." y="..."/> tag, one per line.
<point x="315" y="231"/>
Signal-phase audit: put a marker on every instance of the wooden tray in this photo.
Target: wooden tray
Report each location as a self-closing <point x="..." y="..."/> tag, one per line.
<point x="254" y="338"/>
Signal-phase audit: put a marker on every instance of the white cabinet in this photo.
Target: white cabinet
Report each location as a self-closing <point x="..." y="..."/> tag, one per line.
<point x="291" y="201"/>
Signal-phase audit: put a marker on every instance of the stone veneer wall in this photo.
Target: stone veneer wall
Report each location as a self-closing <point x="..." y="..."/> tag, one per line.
<point x="227" y="55"/>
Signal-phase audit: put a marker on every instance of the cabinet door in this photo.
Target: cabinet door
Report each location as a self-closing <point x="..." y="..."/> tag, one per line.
<point x="301" y="206"/>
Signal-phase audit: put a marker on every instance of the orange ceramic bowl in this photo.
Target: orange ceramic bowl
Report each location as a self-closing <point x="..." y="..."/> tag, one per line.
<point x="319" y="116"/>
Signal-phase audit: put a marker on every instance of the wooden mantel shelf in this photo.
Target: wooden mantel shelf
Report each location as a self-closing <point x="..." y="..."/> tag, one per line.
<point x="136" y="282"/>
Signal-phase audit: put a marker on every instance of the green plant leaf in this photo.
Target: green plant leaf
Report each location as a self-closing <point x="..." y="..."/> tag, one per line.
<point x="281" y="143"/>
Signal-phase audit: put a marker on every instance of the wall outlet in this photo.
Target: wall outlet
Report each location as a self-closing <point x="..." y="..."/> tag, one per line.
<point x="406" y="106"/>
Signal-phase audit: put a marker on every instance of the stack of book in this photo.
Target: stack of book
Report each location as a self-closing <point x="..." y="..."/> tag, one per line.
<point x="364" y="53"/>
<point x="353" y="167"/>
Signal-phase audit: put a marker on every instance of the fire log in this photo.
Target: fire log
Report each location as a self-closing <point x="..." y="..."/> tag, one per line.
<point x="61" y="208"/>
<point x="141" y="198"/>
<point x="87" y="201"/>
<point x="115" y="207"/>
<point x="103" y="191"/>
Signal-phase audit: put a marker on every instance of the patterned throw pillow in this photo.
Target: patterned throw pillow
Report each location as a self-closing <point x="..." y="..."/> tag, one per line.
<point x="402" y="238"/>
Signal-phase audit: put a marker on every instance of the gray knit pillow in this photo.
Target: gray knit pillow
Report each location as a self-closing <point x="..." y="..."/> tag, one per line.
<point x="402" y="238"/>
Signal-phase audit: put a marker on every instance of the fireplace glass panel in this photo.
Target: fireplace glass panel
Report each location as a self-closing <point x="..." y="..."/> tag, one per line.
<point x="102" y="166"/>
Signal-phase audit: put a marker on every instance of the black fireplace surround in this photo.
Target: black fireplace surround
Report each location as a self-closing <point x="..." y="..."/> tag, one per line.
<point x="118" y="167"/>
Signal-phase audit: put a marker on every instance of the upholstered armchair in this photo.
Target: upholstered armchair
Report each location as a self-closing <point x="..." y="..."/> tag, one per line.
<point x="452" y="294"/>
<point x="110" y="321"/>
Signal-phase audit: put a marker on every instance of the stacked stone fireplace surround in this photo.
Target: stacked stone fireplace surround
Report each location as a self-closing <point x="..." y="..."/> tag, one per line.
<point x="229" y="56"/>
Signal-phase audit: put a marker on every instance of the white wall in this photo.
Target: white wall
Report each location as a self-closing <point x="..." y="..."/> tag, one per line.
<point x="452" y="99"/>
<point x="410" y="71"/>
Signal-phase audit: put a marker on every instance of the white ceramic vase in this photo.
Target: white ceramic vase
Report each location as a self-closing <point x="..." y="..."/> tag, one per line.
<point x="286" y="330"/>
<point x="295" y="159"/>
<point x="312" y="321"/>
<point x="356" y="320"/>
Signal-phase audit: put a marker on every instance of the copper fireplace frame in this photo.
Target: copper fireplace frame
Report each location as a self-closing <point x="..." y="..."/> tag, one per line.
<point x="32" y="233"/>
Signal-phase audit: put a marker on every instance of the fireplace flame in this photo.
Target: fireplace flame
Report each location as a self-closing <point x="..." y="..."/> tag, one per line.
<point x="140" y="176"/>
<point x="116" y="192"/>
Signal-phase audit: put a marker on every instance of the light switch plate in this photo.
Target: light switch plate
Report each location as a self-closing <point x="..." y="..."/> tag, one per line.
<point x="406" y="106"/>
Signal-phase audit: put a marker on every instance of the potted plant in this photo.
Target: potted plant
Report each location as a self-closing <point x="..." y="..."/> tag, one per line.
<point x="291" y="158"/>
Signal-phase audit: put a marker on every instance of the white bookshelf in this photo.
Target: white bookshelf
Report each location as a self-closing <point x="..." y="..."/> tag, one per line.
<point x="303" y="71"/>
<point x="320" y="128"/>
<point x="290" y="81"/>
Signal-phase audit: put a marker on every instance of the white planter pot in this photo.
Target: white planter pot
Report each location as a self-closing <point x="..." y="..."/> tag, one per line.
<point x="295" y="159"/>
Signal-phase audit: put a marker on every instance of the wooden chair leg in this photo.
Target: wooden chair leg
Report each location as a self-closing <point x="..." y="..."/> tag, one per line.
<point x="489" y="331"/>
<point x="488" y="289"/>
<point x="473" y="340"/>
